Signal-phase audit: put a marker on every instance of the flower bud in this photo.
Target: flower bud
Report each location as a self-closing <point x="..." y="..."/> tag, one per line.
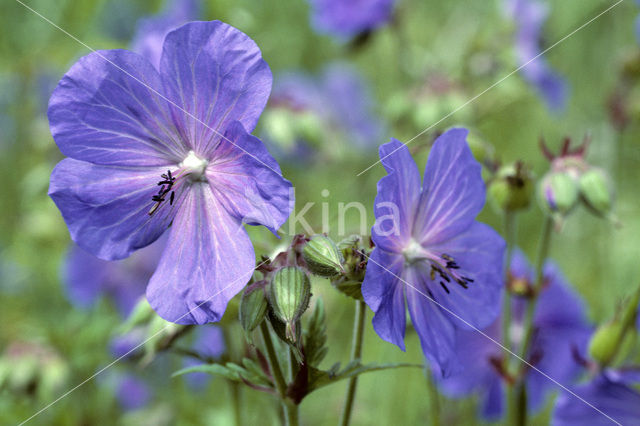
<point x="290" y="291"/>
<point x="609" y="339"/>
<point x="482" y="150"/>
<point x="322" y="256"/>
<point x="279" y="128"/>
<point x="605" y="341"/>
<point x="253" y="307"/>
<point x="512" y="188"/>
<point x="558" y="192"/>
<point x="595" y="191"/>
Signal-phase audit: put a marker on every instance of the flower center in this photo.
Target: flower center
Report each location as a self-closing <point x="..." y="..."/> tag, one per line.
<point x="194" y="166"/>
<point x="443" y="268"/>
<point x="192" y="169"/>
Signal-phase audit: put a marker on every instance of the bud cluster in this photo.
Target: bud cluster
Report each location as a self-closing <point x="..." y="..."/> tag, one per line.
<point x="572" y="181"/>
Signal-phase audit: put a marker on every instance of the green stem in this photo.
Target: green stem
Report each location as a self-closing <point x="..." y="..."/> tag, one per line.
<point x="434" y="398"/>
<point x="356" y="354"/>
<point x="543" y="251"/>
<point x="510" y="231"/>
<point x="235" y="400"/>
<point x="290" y="409"/>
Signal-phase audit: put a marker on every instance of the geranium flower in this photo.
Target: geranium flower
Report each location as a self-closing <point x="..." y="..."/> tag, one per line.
<point x="333" y="111"/>
<point x="610" y="392"/>
<point x="132" y="392"/>
<point x="530" y="16"/>
<point x="349" y="18"/>
<point x="152" y="149"/>
<point x="429" y="246"/>
<point x="87" y="278"/>
<point x="151" y="31"/>
<point x="560" y="329"/>
<point x="208" y="343"/>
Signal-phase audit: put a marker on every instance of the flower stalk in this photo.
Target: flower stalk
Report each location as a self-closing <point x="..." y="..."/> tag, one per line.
<point x="290" y="409"/>
<point x="510" y="230"/>
<point x="519" y="401"/>
<point x="356" y="354"/>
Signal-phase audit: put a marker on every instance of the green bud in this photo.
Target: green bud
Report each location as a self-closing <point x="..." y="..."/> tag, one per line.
<point x="290" y="291"/>
<point x="558" y="192"/>
<point x="253" y="307"/>
<point x="309" y="127"/>
<point x="594" y="188"/>
<point x="609" y="339"/>
<point x="323" y="256"/>
<point x="511" y="188"/>
<point x="54" y="375"/>
<point x="278" y="125"/>
<point x="605" y="342"/>
<point x="24" y="373"/>
<point x="482" y="150"/>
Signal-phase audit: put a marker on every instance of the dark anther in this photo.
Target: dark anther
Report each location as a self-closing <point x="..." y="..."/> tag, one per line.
<point x="166" y="186"/>
<point x="445" y="287"/>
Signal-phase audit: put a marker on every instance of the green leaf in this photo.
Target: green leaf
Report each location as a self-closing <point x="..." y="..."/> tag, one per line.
<point x="213" y="369"/>
<point x="350" y="288"/>
<point x="315" y="337"/>
<point x="249" y="372"/>
<point x="319" y="378"/>
<point x="258" y="376"/>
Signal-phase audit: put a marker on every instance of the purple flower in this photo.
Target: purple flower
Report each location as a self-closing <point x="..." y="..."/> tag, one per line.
<point x="150" y="33"/>
<point x="339" y="100"/>
<point x="152" y="150"/>
<point x="346" y="19"/>
<point x="128" y="344"/>
<point x="209" y="343"/>
<point x="132" y="393"/>
<point x="610" y="392"/>
<point x="124" y="281"/>
<point x="530" y="16"/>
<point x="560" y="330"/>
<point x="428" y="236"/>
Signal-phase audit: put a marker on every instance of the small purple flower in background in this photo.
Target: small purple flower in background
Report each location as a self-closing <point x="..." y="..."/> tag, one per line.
<point x="155" y="149"/>
<point x="132" y="393"/>
<point x="208" y="343"/>
<point x="124" y="281"/>
<point x="611" y="392"/>
<point x="336" y="106"/>
<point x="150" y="32"/>
<point x="347" y="19"/>
<point x="530" y="16"/>
<point x="428" y="236"/>
<point x="560" y="330"/>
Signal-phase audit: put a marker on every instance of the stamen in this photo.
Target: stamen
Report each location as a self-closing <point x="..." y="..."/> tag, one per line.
<point x="166" y="187"/>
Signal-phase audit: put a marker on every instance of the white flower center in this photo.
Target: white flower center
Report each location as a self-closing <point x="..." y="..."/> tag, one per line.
<point x="414" y="252"/>
<point x="194" y="166"/>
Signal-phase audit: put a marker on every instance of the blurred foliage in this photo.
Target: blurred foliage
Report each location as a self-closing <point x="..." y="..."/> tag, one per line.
<point x="464" y="44"/>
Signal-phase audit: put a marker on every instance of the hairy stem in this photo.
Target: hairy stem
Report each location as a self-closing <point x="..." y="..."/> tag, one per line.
<point x="543" y="251"/>
<point x="356" y="353"/>
<point x="290" y="409"/>
<point x="510" y="231"/>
